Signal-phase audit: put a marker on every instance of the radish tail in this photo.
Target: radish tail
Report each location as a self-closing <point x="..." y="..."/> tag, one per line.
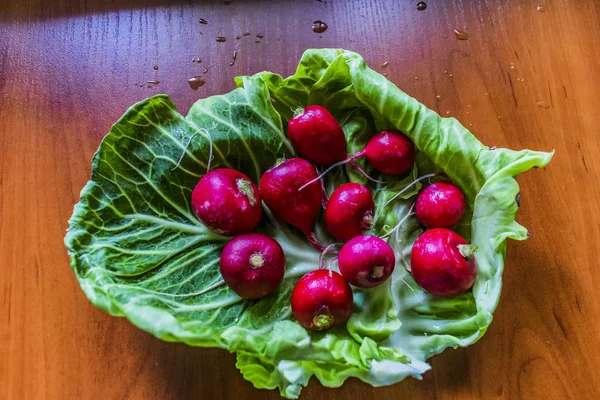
<point x="410" y="213"/>
<point x="210" y="150"/>
<point x="419" y="179"/>
<point x="183" y="152"/>
<point x="332" y="166"/>
<point x="369" y="177"/>
<point x="324" y="196"/>
<point x="350" y="114"/>
<point x="313" y="240"/>
<point x="330" y="262"/>
<point x="327" y="250"/>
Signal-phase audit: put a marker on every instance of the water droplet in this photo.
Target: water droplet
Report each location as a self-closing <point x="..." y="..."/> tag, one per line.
<point x="421" y="5"/>
<point x="196" y="82"/>
<point x="260" y="35"/>
<point x="384" y="64"/>
<point x="155" y="67"/>
<point x="205" y="70"/>
<point x="246" y="33"/>
<point x="543" y="104"/>
<point x="493" y="148"/>
<point x="512" y="65"/>
<point x="470" y="124"/>
<point x="153" y="82"/>
<point x="238" y="37"/>
<point x="450" y="75"/>
<point x="319" y="26"/>
<point x="203" y="21"/>
<point x="445" y="72"/>
<point x="385" y="74"/>
<point x="467" y="112"/>
<point x="438" y="97"/>
<point x="221" y="39"/>
<point x="233" y="58"/>
<point x="487" y="94"/>
<point x="445" y="36"/>
<point x="541" y="8"/>
<point x="468" y="106"/>
<point x="461" y="35"/>
<point x="416" y="78"/>
<point x="447" y="112"/>
<point x="499" y="116"/>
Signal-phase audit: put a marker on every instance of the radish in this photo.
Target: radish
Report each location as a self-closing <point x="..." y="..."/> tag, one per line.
<point x="389" y="152"/>
<point x="442" y="262"/>
<point x="252" y="265"/>
<point x="317" y="135"/>
<point x="366" y="261"/>
<point x="227" y="202"/>
<point x="321" y="299"/>
<point x="349" y="212"/>
<point x="440" y="205"/>
<point x="279" y="190"/>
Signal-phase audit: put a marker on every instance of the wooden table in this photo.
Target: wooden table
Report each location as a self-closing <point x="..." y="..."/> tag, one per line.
<point x="523" y="79"/>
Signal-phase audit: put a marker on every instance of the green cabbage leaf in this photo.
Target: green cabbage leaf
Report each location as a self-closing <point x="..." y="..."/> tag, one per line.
<point x="138" y="251"/>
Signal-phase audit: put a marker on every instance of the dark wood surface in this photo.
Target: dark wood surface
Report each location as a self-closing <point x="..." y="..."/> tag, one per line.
<point x="523" y="79"/>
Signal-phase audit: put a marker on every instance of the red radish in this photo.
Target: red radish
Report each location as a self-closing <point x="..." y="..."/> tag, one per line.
<point x="279" y="190"/>
<point x="440" y="205"/>
<point x="227" y="202"/>
<point x="317" y="135"/>
<point x="366" y="261"/>
<point x="252" y="265"/>
<point x="389" y="152"/>
<point x="442" y="262"/>
<point x="350" y="211"/>
<point x="321" y="299"/>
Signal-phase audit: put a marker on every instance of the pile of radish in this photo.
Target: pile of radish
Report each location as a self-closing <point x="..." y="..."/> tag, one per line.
<point x="253" y="264"/>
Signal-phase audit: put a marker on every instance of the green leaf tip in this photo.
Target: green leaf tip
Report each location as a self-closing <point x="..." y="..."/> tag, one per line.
<point x="298" y="111"/>
<point x="467" y="250"/>
<point x="245" y="187"/>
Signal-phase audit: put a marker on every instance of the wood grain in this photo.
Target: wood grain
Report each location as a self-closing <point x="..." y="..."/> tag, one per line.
<point x="69" y="69"/>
